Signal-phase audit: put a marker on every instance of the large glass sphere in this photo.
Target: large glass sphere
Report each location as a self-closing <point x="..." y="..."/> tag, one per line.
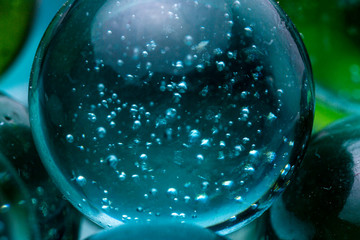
<point x="18" y="220"/>
<point x="194" y="111"/>
<point x="157" y="231"/>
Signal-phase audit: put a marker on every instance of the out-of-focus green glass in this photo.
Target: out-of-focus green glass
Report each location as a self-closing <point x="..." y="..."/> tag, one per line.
<point x="331" y="32"/>
<point x="15" y="19"/>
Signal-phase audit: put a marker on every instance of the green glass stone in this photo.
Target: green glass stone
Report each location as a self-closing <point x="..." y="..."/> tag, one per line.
<point x="56" y="217"/>
<point x="322" y="201"/>
<point x="331" y="33"/>
<point x="15" y="20"/>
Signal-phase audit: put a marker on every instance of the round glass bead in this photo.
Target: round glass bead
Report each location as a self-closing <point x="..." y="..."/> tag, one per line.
<point x="177" y="110"/>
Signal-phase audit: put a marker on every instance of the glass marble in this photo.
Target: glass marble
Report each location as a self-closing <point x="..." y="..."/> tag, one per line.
<point x="176" y="110"/>
<point x="15" y="20"/>
<point x="55" y="216"/>
<point x="17" y="216"/>
<point x="157" y="231"/>
<point x="331" y="32"/>
<point x="322" y="201"/>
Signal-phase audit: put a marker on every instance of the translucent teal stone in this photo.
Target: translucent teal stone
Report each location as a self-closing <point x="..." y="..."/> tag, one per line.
<point x="17" y="216"/>
<point x="157" y="231"/>
<point x="185" y="111"/>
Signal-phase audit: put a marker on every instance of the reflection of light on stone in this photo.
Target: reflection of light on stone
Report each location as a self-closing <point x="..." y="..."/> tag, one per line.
<point x="88" y="228"/>
<point x="148" y="44"/>
<point x="180" y="98"/>
<point x="353" y="200"/>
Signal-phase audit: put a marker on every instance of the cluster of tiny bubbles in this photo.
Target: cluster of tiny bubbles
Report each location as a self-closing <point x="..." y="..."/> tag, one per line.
<point x="184" y="110"/>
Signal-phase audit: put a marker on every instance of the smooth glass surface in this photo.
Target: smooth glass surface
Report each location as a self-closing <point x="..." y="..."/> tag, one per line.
<point x="148" y="110"/>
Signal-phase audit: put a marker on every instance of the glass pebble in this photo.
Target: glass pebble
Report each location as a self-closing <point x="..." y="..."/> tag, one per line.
<point x="17" y="216"/>
<point x="157" y="231"/>
<point x="181" y="122"/>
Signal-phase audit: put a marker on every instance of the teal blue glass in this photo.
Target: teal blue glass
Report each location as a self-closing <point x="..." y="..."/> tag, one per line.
<point x="185" y="111"/>
<point x="157" y="231"/>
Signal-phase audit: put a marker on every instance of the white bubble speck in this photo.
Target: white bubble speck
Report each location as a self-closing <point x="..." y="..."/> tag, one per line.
<point x="200" y="158"/>
<point x="194" y="135"/>
<point x="271" y="116"/>
<point x="248" y="31"/>
<point x="205" y="142"/>
<point x="153" y="191"/>
<point x="136" y="125"/>
<point x="81" y="181"/>
<point x="227" y="184"/>
<point x="101" y="132"/>
<point x="201" y="197"/>
<point x="69" y="138"/>
<point x="120" y="62"/>
<point x="100" y="87"/>
<point x="200" y="67"/>
<point x="188" y="40"/>
<point x="145" y="54"/>
<point x="171" y="113"/>
<point x="112" y="160"/>
<point x="239" y="199"/>
<point x="182" y="87"/>
<point x="220" y="65"/>
<point x="143" y="157"/>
